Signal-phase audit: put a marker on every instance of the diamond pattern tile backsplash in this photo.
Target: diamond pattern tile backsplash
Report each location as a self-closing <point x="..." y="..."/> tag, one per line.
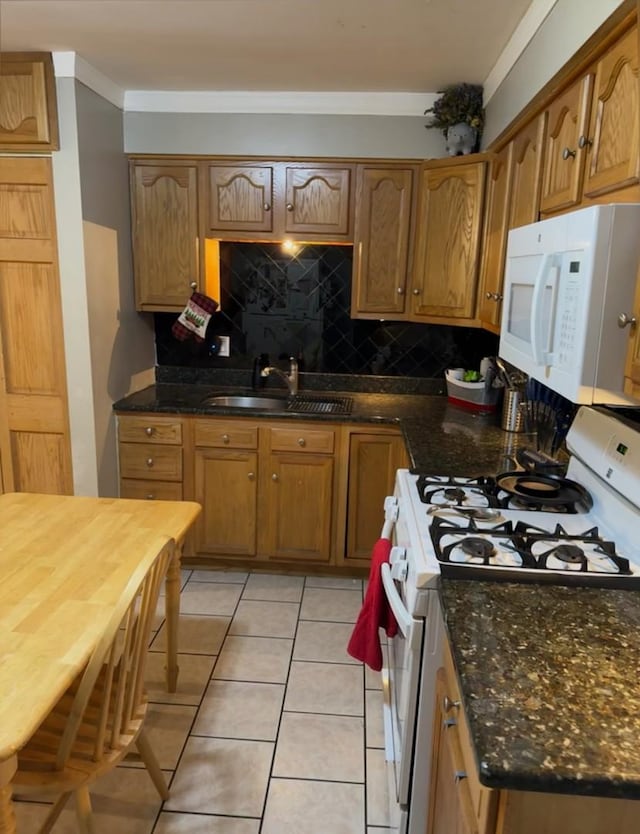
<point x="297" y="304"/>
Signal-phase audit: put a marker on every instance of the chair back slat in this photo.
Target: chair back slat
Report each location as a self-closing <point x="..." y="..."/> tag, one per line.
<point x="110" y="691"/>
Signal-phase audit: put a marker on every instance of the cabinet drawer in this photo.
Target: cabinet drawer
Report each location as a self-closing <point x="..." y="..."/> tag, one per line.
<point x="162" y="463"/>
<point x="226" y="434"/>
<point x="301" y="439"/>
<point x="150" y="429"/>
<point x="151" y="490"/>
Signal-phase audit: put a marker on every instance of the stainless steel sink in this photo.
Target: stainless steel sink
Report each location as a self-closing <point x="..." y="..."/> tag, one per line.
<point x="237" y="401"/>
<point x="298" y="404"/>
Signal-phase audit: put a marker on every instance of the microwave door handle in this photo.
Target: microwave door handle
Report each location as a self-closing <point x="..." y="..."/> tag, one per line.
<point x="403" y="617"/>
<point x="538" y="336"/>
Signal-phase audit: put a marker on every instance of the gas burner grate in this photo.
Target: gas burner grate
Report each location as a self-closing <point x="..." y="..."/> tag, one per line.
<point x="479" y="492"/>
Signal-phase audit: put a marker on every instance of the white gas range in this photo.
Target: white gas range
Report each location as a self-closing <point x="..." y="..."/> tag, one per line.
<point x="581" y="529"/>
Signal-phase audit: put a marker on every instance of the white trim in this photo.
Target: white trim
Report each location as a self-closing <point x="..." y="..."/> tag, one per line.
<point x="533" y="19"/>
<point x="72" y="65"/>
<point x="249" y="101"/>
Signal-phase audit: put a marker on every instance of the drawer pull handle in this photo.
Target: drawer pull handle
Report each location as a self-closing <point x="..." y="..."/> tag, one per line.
<point x="149" y="462"/>
<point x="251" y="476"/>
<point x="448" y="704"/>
<point x="225" y="438"/>
<point x="459" y="775"/>
<point x="150" y="496"/>
<point x="149" y="431"/>
<point x="302" y="441"/>
<point x="274" y="477"/>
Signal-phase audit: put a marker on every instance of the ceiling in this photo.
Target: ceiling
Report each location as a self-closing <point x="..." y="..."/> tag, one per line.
<point x="277" y="45"/>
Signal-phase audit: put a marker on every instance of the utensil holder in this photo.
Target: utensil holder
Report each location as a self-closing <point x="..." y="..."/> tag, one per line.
<point x="512" y="417"/>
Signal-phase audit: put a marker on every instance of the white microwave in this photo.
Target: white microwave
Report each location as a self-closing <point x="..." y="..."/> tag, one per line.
<point x="568" y="280"/>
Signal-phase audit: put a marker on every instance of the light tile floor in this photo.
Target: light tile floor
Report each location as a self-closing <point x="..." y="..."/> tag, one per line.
<point x="274" y="729"/>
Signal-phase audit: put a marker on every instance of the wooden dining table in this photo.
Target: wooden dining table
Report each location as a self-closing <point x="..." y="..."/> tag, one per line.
<point x="64" y="562"/>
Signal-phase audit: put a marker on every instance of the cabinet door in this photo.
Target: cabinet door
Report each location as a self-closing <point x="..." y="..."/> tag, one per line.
<point x="165" y="235"/>
<point x="318" y="201"/>
<point x="381" y="241"/>
<point x="567" y="120"/>
<point x="613" y="146"/>
<point x="240" y="198"/>
<point x="632" y="370"/>
<point x="527" y="173"/>
<point x="28" y="116"/>
<point x="448" y="242"/>
<point x="226" y="487"/>
<point x="451" y="804"/>
<point x="35" y="439"/>
<point x="495" y="238"/>
<point x="373" y="461"/>
<point x="297" y="491"/>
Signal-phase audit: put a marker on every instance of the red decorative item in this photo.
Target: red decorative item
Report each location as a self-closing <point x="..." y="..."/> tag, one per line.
<point x="375" y="613"/>
<point x="193" y="320"/>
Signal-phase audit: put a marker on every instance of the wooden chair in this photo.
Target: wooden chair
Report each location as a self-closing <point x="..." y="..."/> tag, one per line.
<point x="100" y="717"/>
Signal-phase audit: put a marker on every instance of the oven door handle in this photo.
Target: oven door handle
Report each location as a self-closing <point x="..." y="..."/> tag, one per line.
<point x="403" y="617"/>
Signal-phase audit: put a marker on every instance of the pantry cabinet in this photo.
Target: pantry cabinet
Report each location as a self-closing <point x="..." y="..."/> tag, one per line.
<point x="28" y="112"/>
<point x="249" y="200"/>
<point x="385" y="200"/>
<point x="448" y="241"/>
<point x="494" y="241"/>
<point x="165" y="234"/>
<point x="374" y="457"/>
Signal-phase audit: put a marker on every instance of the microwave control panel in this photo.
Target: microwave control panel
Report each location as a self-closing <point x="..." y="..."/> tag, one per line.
<point x="568" y="326"/>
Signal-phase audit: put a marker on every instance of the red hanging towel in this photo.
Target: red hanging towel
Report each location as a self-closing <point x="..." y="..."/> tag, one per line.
<point x="375" y="613"/>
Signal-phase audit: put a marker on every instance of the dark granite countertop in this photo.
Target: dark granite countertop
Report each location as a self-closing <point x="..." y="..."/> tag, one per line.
<point x="549" y="677"/>
<point x="441" y="438"/>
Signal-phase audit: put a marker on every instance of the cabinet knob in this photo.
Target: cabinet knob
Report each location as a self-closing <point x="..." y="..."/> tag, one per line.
<point x="448" y="704"/>
<point x="302" y="441"/>
<point x="251" y="476"/>
<point x="459" y="775"/>
<point x="400" y="290"/>
<point x="274" y="477"/>
<point x="149" y="431"/>
<point x="225" y="438"/>
<point x="194" y="285"/>
<point x="498" y="296"/>
<point x="149" y="462"/>
<point x="416" y="292"/>
<point x="150" y="496"/>
<point x="567" y="153"/>
<point x="289" y="206"/>
<point x="489" y="295"/>
<point x="449" y="722"/>
<point x="624" y="320"/>
<point x="266" y="207"/>
<point x="584" y="142"/>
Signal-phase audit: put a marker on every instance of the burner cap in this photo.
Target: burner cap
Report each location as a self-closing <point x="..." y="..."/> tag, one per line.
<point x="569" y="553"/>
<point x="476" y="547"/>
<point x="454" y="494"/>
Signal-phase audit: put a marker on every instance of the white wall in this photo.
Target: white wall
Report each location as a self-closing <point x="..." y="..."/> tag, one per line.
<point x="569" y="24"/>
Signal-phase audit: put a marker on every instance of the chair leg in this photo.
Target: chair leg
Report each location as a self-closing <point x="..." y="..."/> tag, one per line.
<point x="54" y="813"/>
<point x="84" y="814"/>
<point x="151" y="763"/>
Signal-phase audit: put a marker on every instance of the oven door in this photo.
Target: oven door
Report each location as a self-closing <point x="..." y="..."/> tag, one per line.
<point x="401" y="685"/>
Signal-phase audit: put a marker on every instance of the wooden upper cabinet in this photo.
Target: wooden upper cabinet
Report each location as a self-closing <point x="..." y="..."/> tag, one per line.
<point x="613" y="143"/>
<point x="527" y="173"/>
<point x="317" y="201"/>
<point x="565" y="147"/>
<point x="448" y="241"/>
<point x="28" y="114"/>
<point x="165" y="234"/>
<point x="494" y="242"/>
<point x="381" y="241"/>
<point x="240" y="198"/>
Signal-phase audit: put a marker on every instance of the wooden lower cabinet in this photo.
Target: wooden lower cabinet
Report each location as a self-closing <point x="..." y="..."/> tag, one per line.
<point x="459" y="804"/>
<point x="374" y="457"/>
<point x="150" y="457"/>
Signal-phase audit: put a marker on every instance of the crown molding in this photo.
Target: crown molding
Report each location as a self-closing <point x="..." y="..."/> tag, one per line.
<point x="251" y="101"/>
<point x="533" y="19"/>
<point x="72" y="65"/>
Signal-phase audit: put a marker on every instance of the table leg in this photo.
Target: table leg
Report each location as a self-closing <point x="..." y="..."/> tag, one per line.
<point x="172" y="611"/>
<point x="7" y="815"/>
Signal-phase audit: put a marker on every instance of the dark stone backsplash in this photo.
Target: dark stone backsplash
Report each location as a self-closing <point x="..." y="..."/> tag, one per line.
<point x="298" y="304"/>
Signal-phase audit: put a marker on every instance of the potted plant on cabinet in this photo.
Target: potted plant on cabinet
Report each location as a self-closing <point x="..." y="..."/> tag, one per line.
<point x="459" y="114"/>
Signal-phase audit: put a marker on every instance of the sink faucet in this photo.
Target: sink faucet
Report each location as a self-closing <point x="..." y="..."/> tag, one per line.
<point x="290" y="378"/>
